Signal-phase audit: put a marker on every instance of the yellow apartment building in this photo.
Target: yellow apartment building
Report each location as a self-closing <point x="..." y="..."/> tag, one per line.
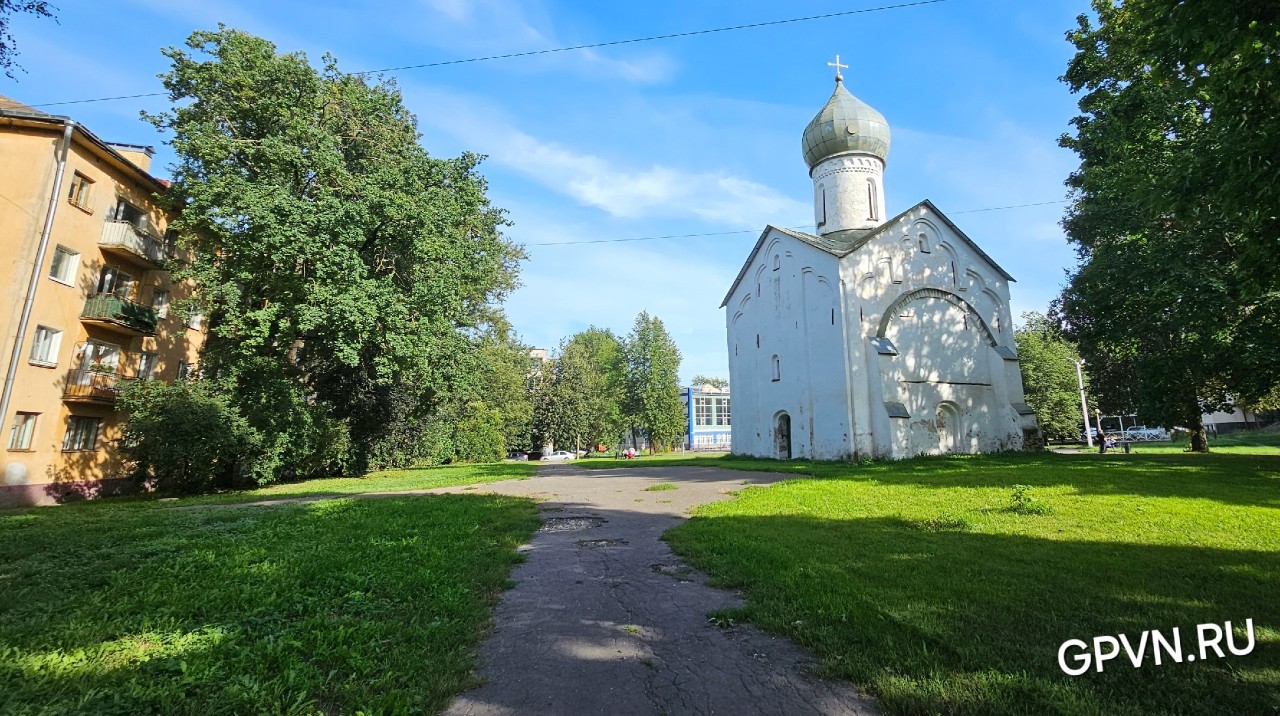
<point x="86" y="302"/>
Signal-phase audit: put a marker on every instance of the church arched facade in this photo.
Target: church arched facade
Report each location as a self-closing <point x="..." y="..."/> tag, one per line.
<point x="872" y="338"/>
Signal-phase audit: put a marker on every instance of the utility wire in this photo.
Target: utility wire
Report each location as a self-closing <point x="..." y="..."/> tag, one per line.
<point x="531" y="53"/>
<point x="755" y="231"/>
<point x="672" y="36"/>
<point x="1011" y="206"/>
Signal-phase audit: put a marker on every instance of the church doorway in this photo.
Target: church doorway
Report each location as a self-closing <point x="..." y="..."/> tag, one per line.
<point x="948" y="424"/>
<point x="782" y="436"/>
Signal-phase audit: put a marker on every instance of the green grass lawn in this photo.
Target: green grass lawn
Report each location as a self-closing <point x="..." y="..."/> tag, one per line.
<point x="915" y="581"/>
<point x="418" y="478"/>
<point x="328" y="607"/>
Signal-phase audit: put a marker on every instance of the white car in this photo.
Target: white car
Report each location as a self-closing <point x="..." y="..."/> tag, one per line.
<point x="557" y="455"/>
<point x="1142" y="433"/>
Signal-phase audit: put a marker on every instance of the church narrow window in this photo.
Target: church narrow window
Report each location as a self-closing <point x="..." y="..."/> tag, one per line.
<point x="871" y="199"/>
<point x="757" y="340"/>
<point x="924" y="243"/>
<point x="777" y="369"/>
<point x="953" y="273"/>
<point x="833" y="316"/>
<point x="777" y="262"/>
<point x="821" y="200"/>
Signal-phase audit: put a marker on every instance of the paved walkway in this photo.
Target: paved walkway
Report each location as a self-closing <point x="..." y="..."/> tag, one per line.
<point x="604" y="619"/>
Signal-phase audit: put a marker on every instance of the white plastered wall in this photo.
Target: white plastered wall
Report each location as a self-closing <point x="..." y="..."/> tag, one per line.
<point x="952" y="306"/>
<point x="788" y="305"/>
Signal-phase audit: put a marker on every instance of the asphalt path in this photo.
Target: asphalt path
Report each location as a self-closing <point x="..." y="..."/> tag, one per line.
<point x="605" y="619"/>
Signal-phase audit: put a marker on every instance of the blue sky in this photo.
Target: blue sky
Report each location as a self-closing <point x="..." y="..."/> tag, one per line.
<point x="682" y="136"/>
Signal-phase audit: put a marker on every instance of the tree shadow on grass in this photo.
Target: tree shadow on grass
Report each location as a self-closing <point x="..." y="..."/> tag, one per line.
<point x="1249" y="480"/>
<point x="406" y="480"/>
<point x="962" y="623"/>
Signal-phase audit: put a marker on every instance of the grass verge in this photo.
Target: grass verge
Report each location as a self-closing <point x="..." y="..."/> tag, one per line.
<point x="328" y="607"/>
<point x="418" y="478"/>
<point x="921" y="582"/>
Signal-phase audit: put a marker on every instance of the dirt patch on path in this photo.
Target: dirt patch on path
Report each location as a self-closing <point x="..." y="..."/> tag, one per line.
<point x="605" y="619"/>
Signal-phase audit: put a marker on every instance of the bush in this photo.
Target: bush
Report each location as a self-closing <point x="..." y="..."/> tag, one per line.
<point x="184" y="436"/>
<point x="1023" y="502"/>
<point x="478" y="437"/>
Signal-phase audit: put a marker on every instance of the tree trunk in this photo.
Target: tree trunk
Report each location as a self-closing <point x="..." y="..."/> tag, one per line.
<point x="1199" y="440"/>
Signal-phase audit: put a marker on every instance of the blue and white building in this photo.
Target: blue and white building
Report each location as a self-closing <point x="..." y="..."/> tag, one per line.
<point x="709" y="418"/>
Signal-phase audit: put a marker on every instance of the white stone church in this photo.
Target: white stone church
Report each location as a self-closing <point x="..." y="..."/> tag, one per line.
<point x="880" y="337"/>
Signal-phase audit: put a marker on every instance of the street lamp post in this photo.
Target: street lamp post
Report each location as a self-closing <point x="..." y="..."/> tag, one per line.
<point x="1084" y="406"/>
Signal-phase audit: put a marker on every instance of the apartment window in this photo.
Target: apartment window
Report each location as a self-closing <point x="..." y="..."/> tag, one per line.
<point x="44" y="348"/>
<point x="115" y="282"/>
<point x="196" y="320"/>
<point x="98" y="357"/>
<point x="146" y="366"/>
<point x="64" y="265"/>
<point x="82" y="433"/>
<point x="81" y="191"/>
<point x="24" y="426"/>
<point x="184" y="370"/>
<point x="701" y="411"/>
<point x="160" y="302"/>
<point x="125" y="211"/>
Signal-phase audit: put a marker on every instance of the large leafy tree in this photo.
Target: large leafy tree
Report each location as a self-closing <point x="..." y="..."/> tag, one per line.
<point x="578" y="399"/>
<point x="1175" y="205"/>
<point x="652" y="403"/>
<point x="345" y="272"/>
<point x="1049" y="376"/>
<point x="605" y="353"/>
<point x="565" y="398"/>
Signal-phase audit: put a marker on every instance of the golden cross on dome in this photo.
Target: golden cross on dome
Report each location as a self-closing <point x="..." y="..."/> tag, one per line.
<point x="838" y="66"/>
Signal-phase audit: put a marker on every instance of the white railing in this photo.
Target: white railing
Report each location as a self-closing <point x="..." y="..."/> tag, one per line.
<point x="124" y="235"/>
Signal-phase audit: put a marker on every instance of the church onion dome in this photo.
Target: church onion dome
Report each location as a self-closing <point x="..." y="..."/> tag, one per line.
<point x="846" y="124"/>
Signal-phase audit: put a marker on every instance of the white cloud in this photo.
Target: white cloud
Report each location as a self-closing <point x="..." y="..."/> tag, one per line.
<point x="566" y="289"/>
<point x="456" y="10"/>
<point x="650" y="68"/>
<point x="656" y="191"/>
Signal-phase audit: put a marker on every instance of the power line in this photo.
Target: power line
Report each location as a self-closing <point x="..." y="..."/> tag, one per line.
<point x="643" y="238"/>
<point x="531" y="53"/>
<point x="691" y="33"/>
<point x="754" y="231"/>
<point x="1011" y="206"/>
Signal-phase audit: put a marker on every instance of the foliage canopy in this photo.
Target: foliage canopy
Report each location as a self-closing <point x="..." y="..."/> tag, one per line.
<point x="1176" y="207"/>
<point x="347" y="276"/>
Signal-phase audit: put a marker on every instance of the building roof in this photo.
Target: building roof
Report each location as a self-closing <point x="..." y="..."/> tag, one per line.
<point x="8" y="103"/>
<point x="845" y="124"/>
<point x="18" y="113"/>
<point x="855" y="240"/>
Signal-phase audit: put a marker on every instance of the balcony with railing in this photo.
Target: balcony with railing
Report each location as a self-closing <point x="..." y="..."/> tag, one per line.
<point x="123" y="238"/>
<point x="120" y="315"/>
<point x="88" y="386"/>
